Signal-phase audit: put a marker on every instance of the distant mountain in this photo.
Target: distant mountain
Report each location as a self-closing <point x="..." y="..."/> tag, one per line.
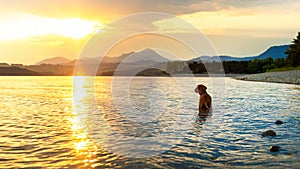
<point x="146" y="56"/>
<point x="105" y="60"/>
<point x="118" y="59"/>
<point x="127" y="63"/>
<point x="54" y="61"/>
<point x="216" y="58"/>
<point x="274" y="52"/>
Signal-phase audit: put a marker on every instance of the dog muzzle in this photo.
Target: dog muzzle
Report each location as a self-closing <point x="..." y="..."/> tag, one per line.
<point x="196" y="90"/>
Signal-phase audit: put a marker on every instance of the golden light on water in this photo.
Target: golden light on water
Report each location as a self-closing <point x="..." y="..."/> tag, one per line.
<point x="85" y="148"/>
<point x="82" y="92"/>
<point x="89" y="139"/>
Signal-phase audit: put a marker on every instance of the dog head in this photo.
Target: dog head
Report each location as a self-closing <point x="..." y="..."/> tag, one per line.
<point x="200" y="88"/>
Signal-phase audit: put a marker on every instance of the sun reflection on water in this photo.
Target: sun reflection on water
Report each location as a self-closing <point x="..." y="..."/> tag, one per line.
<point x="85" y="148"/>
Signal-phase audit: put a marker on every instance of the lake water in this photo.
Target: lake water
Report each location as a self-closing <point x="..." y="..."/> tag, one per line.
<point x="152" y="123"/>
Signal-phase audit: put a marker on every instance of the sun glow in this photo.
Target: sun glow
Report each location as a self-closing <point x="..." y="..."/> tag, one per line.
<point x="20" y="26"/>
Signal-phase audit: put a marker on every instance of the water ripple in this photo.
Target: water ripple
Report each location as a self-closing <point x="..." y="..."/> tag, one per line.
<point x="40" y="129"/>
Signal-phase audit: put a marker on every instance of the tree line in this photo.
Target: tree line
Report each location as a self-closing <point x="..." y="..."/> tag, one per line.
<point x="238" y="67"/>
<point x="253" y="66"/>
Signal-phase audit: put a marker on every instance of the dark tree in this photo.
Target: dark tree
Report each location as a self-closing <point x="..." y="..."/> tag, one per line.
<point x="197" y="68"/>
<point x="293" y="52"/>
<point x="280" y="62"/>
<point x="194" y="67"/>
<point x="255" y="66"/>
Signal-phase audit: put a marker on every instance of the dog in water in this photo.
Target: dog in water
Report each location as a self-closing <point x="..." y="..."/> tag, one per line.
<point x="204" y="100"/>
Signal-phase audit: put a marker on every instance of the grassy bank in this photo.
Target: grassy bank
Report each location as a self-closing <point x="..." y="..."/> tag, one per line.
<point x="289" y="77"/>
<point x="284" y="69"/>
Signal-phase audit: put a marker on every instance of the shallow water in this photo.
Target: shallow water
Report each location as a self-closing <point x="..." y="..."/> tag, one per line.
<point x="151" y="123"/>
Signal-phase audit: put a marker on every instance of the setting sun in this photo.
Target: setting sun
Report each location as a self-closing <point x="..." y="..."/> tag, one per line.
<point x="20" y="26"/>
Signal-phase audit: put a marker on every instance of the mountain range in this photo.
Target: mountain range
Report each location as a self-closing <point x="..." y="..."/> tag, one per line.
<point x="149" y="56"/>
<point x="144" y="62"/>
<point x="273" y="52"/>
<point x="146" y="56"/>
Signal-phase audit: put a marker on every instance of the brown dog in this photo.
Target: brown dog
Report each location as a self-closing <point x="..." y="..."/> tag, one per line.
<point x="205" y="99"/>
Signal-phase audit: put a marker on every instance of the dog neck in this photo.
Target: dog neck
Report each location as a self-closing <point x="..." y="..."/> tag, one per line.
<point x="202" y="92"/>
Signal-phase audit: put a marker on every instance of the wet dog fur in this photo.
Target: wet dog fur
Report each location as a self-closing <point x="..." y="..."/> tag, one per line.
<point x="204" y="100"/>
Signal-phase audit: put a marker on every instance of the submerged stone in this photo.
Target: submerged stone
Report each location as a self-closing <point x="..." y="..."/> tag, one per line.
<point x="278" y="122"/>
<point x="269" y="133"/>
<point x="274" y="148"/>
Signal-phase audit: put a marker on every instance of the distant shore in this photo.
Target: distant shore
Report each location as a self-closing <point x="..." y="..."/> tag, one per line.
<point x="288" y="77"/>
<point x="205" y="75"/>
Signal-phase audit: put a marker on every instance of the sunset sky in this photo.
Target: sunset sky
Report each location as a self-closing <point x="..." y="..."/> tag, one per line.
<point x="32" y="30"/>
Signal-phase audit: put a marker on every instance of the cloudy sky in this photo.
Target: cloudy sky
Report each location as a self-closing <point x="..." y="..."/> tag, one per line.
<point x="32" y="30"/>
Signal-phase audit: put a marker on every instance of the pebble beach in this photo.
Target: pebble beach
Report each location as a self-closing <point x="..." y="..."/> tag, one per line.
<point x="288" y="77"/>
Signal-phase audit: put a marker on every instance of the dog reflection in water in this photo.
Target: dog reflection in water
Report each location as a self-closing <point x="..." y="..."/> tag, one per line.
<point x="204" y="100"/>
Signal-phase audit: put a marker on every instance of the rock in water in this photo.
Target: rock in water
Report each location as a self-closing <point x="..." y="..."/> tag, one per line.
<point x="269" y="133"/>
<point x="274" y="148"/>
<point x="278" y="122"/>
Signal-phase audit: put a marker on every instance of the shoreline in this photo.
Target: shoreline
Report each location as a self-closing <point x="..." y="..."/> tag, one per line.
<point x="287" y="77"/>
<point x="175" y="75"/>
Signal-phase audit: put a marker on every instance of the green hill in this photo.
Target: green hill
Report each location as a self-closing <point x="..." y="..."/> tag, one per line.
<point x="16" y="71"/>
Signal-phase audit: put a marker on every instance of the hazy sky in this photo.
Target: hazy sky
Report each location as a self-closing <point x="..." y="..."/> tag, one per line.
<point x="32" y="30"/>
